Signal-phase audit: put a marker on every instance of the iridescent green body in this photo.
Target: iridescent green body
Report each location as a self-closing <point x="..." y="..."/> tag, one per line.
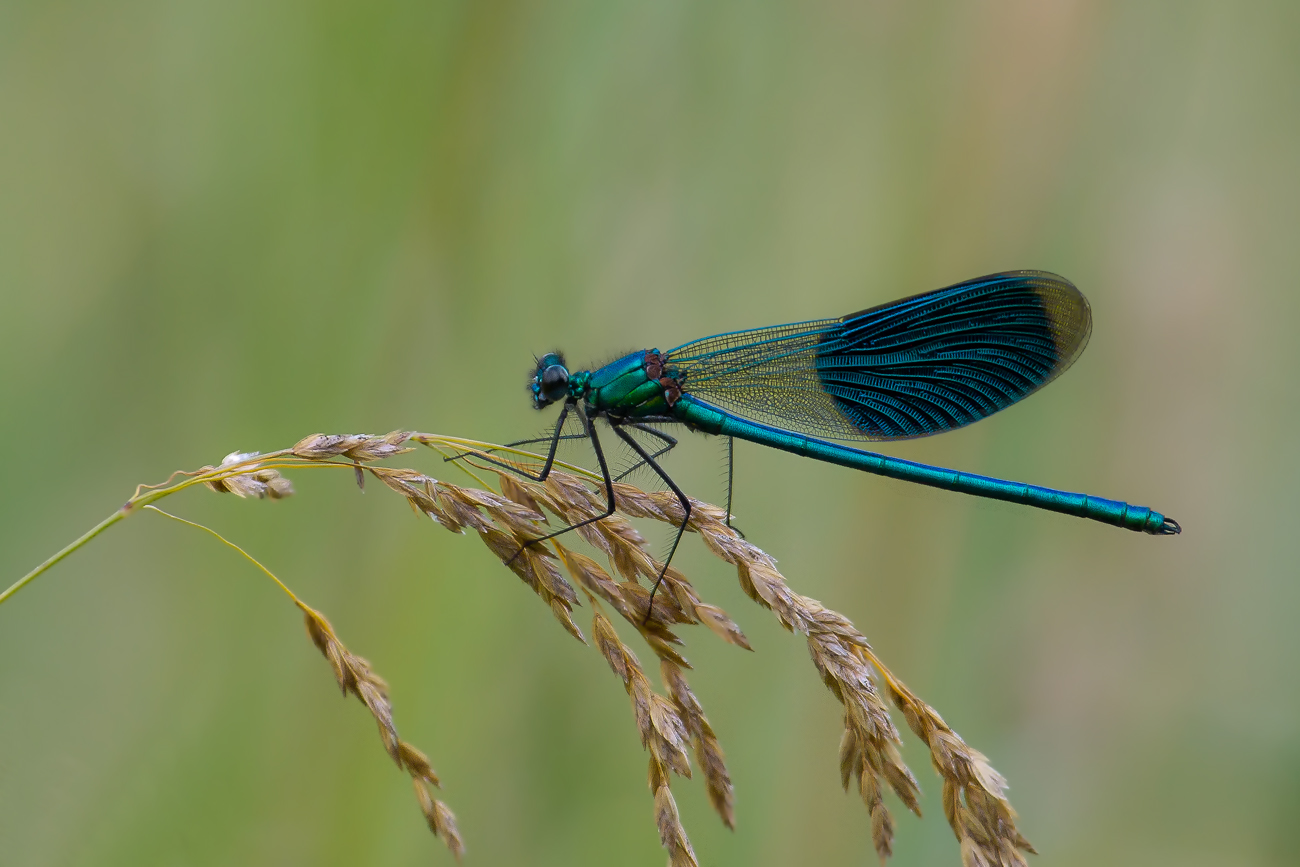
<point x="623" y="389"/>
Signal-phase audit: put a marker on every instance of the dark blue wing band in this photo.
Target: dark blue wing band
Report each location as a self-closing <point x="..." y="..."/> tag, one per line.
<point x="944" y="359"/>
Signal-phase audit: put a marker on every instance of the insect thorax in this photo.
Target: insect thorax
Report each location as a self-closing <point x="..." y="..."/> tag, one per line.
<point x="638" y="385"/>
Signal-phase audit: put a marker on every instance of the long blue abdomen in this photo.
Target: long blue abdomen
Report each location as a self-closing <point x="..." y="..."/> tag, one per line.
<point x="711" y="419"/>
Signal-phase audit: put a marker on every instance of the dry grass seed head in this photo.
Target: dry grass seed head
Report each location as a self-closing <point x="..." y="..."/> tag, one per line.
<point x="505" y="526"/>
<point x="680" y="604"/>
<point x="671" y="833"/>
<point x="514" y="490"/>
<point x="609" y="645"/>
<point x="708" y="752"/>
<point x="595" y="580"/>
<point x="253" y="482"/>
<point x="362" y="448"/>
<point x="441" y="820"/>
<point x="629" y="599"/>
<point x="418" y="489"/>
<point x="522" y="520"/>
<point x="676" y="600"/>
<point x="676" y="603"/>
<point x="662" y="729"/>
<point x="535" y="566"/>
<point x="355" y="676"/>
<point x="973" y="798"/>
<point x="377" y="448"/>
<point x="461" y="507"/>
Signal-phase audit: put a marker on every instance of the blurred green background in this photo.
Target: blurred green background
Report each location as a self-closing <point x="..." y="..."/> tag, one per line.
<point x="226" y="225"/>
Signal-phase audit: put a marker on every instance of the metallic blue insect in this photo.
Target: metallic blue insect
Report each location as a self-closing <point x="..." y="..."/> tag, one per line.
<point x="911" y="368"/>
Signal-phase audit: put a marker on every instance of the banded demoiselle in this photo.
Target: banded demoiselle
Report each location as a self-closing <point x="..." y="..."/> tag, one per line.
<point x="911" y="368"/>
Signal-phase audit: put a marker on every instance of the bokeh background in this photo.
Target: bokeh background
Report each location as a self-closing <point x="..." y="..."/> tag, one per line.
<point x="226" y="225"/>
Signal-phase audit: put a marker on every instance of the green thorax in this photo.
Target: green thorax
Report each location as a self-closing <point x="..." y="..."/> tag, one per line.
<point x="639" y="385"/>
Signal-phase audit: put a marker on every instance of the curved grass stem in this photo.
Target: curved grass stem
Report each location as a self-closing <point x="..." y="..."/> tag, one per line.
<point x="282" y="459"/>
<point x="247" y="556"/>
<point x="65" y="551"/>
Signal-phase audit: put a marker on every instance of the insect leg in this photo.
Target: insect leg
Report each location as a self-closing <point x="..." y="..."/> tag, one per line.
<point x="527" y="442"/>
<point x="731" y="472"/>
<point x="604" y="474"/>
<point x="550" y="455"/>
<point x="669" y="443"/>
<point x="681" y="497"/>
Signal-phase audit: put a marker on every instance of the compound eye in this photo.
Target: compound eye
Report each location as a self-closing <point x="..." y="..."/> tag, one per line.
<point x="555" y="382"/>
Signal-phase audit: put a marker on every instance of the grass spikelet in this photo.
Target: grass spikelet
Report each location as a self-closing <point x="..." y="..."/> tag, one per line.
<point x="253" y="482"/>
<point x="708" y="752"/>
<point x="361" y="448"/>
<point x="594" y="579"/>
<point x="504" y="525"/>
<point x="662" y="731"/>
<point x="671" y="833"/>
<point x="974" y="794"/>
<point x="356" y="677"/>
<point x="441" y="821"/>
<point x="671" y="723"/>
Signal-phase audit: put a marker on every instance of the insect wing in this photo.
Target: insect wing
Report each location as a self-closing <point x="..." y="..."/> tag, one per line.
<point x="920" y="366"/>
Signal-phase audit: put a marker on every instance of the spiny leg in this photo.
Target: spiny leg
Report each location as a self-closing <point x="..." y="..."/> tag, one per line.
<point x="731" y="472"/>
<point x="545" y="439"/>
<point x="550" y="455"/>
<point x="669" y="444"/>
<point x="604" y="474"/>
<point x="681" y="497"/>
<point x="528" y="442"/>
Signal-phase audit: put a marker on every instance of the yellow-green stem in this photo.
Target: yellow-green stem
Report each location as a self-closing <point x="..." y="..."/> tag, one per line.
<point x="68" y="549"/>
<point x="282" y="459"/>
<point x="245" y="554"/>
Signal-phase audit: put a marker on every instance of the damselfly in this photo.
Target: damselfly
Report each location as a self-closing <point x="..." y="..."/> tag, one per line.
<point x="911" y="368"/>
